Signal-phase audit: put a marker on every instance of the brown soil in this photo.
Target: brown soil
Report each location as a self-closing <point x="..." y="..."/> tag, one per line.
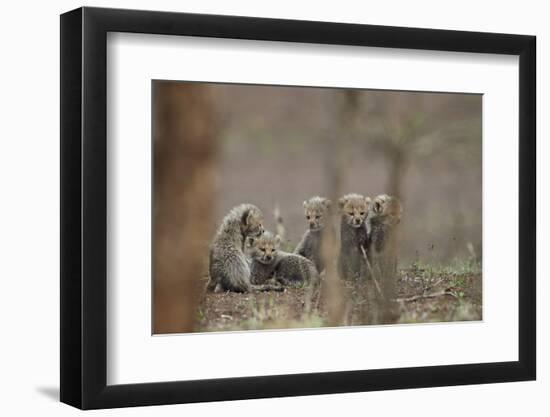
<point x="422" y="296"/>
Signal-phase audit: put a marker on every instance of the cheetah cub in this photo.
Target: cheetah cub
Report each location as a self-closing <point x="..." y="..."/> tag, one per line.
<point x="384" y="216"/>
<point x="316" y="212"/>
<point x="229" y="269"/>
<point x="268" y="262"/>
<point x="353" y="235"/>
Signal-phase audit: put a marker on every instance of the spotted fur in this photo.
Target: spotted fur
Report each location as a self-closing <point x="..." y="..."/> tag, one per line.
<point x="269" y="262"/>
<point x="384" y="216"/>
<point x="354" y="209"/>
<point x="229" y="269"/>
<point x="316" y="211"/>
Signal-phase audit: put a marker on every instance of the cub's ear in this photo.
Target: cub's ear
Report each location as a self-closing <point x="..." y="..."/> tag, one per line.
<point x="368" y="201"/>
<point x="248" y="216"/>
<point x="342" y="202"/>
<point x="277" y="240"/>
<point x="304" y="204"/>
<point x="327" y="203"/>
<point x="249" y="241"/>
<point x="245" y="218"/>
<point x="377" y="207"/>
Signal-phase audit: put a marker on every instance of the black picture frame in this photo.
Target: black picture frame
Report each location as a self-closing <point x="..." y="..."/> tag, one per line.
<point x="84" y="207"/>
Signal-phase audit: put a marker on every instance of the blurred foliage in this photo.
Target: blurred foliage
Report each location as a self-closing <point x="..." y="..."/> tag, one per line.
<point x="218" y="145"/>
<point x="279" y="143"/>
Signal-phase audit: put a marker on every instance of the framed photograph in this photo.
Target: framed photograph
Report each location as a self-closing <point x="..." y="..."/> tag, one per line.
<point x="259" y="208"/>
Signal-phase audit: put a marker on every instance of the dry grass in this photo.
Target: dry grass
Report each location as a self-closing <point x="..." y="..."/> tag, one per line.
<point x="425" y="294"/>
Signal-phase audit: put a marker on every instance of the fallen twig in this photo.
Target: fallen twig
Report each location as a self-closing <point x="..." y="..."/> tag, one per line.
<point x="431" y="295"/>
<point x="371" y="270"/>
<point x="439" y="281"/>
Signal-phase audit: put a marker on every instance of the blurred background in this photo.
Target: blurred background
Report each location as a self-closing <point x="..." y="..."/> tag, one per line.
<point x="275" y="144"/>
<point x="220" y="145"/>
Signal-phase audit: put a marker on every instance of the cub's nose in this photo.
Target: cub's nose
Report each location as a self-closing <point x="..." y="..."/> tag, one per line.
<point x="268" y="257"/>
<point x="357" y="221"/>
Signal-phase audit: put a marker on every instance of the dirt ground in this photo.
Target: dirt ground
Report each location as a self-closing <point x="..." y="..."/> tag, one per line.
<point x="423" y="294"/>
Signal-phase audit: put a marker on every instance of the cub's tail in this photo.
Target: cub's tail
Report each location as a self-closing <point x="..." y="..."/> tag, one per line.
<point x="279" y="225"/>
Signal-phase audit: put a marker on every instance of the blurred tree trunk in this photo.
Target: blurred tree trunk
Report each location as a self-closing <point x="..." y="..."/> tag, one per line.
<point x="398" y="163"/>
<point x="182" y="208"/>
<point x="338" y="145"/>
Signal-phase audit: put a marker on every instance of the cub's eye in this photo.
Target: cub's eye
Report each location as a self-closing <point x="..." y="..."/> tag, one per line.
<point x="362" y="213"/>
<point x="317" y="217"/>
<point x="262" y="249"/>
<point x="307" y="217"/>
<point x="350" y="213"/>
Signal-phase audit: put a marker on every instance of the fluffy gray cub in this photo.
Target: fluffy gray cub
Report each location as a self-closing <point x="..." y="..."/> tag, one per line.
<point x="229" y="269"/>
<point x="353" y="235"/>
<point x="268" y="262"/>
<point x="384" y="216"/>
<point x="316" y="212"/>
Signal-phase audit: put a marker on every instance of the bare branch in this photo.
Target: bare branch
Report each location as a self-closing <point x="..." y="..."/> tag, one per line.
<point x="371" y="271"/>
<point x="423" y="296"/>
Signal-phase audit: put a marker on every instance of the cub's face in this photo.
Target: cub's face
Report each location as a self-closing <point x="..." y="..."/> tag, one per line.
<point x="316" y="211"/>
<point x="253" y="223"/>
<point x="354" y="209"/>
<point x="264" y="248"/>
<point x="385" y="206"/>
